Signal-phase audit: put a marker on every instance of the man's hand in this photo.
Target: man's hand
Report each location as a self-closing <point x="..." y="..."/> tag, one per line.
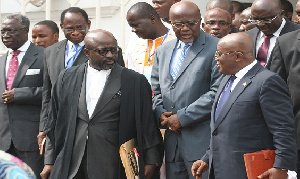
<point x="45" y="174"/>
<point x="149" y="170"/>
<point x="8" y="96"/>
<point x="198" y="168"/>
<point x="165" y="116"/>
<point x="40" y="138"/>
<point x="274" y="173"/>
<point x="172" y="123"/>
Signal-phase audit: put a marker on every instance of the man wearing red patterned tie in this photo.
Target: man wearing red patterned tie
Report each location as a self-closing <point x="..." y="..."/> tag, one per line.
<point x="270" y="24"/>
<point x="21" y="84"/>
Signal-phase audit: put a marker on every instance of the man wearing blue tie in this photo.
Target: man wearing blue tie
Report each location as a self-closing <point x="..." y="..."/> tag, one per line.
<point x="257" y="114"/>
<point x="64" y="54"/>
<point x="185" y="79"/>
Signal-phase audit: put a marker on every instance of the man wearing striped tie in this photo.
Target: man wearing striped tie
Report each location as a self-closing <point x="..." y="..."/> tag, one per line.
<point x="185" y="79"/>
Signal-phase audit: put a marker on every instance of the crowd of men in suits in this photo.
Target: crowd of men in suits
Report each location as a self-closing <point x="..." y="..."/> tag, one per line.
<point x="212" y="92"/>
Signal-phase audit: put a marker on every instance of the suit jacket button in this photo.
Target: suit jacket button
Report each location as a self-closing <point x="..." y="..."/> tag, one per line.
<point x="214" y="133"/>
<point x="172" y="106"/>
<point x="172" y="86"/>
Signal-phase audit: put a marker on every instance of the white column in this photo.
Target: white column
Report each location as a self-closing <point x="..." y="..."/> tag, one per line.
<point x="123" y="4"/>
<point x="48" y="9"/>
<point x="98" y="14"/>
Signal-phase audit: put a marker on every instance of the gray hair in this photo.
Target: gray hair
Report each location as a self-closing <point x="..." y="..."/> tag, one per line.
<point x="23" y="20"/>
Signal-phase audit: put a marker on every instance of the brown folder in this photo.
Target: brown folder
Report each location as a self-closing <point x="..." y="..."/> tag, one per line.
<point x="257" y="163"/>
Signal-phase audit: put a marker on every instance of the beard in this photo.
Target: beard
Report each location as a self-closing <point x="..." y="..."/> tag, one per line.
<point x="104" y="64"/>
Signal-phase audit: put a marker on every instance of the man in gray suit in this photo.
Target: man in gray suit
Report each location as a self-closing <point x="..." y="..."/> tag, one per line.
<point x="252" y="111"/>
<point x="108" y="106"/>
<point x="270" y="24"/>
<point x="184" y="89"/>
<point x="21" y="83"/>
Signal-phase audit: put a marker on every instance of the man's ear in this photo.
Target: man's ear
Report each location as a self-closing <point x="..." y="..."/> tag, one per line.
<point x="86" y="52"/>
<point x="240" y="57"/>
<point x="89" y="24"/>
<point x="56" y="36"/>
<point x="152" y="18"/>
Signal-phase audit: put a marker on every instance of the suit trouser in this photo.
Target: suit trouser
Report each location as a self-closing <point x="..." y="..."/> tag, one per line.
<point x="32" y="158"/>
<point x="180" y="169"/>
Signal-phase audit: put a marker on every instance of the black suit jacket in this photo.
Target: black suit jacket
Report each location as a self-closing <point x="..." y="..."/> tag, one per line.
<point x="54" y="64"/>
<point x="285" y="60"/>
<point x="288" y="27"/>
<point x="122" y="112"/>
<point x="20" y="120"/>
<point x="257" y="115"/>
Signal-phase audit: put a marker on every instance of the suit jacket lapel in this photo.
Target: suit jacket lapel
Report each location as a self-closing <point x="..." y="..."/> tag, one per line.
<point x="82" y="106"/>
<point x="238" y="90"/>
<point x="196" y="48"/>
<point x="168" y="57"/>
<point x="2" y="73"/>
<point x="112" y="86"/>
<point x="60" y="56"/>
<point x="81" y="58"/>
<point x="29" y="58"/>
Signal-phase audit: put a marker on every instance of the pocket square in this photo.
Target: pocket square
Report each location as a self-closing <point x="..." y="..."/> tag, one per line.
<point x="33" y="71"/>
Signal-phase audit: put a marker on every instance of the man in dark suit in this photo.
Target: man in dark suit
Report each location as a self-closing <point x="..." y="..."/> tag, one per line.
<point x="183" y="94"/>
<point x="21" y="86"/>
<point x="108" y="106"/>
<point x="270" y="24"/>
<point x="285" y="62"/>
<point x="252" y="111"/>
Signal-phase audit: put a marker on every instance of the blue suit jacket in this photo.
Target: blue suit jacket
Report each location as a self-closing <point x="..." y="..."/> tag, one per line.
<point x="257" y="115"/>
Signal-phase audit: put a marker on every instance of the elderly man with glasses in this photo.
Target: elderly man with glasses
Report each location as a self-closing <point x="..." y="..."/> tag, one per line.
<point x="270" y="24"/>
<point x="21" y="84"/>
<point x="184" y="80"/>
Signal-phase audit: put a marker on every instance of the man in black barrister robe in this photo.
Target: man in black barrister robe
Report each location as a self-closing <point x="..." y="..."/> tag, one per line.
<point x="97" y="106"/>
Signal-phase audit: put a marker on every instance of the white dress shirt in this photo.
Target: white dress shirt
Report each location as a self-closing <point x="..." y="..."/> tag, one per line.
<point x="240" y="74"/>
<point x="260" y="39"/>
<point x="95" y="82"/>
<point x="69" y="47"/>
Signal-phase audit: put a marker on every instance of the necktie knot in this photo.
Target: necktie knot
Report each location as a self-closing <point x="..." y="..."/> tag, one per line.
<point x="15" y="53"/>
<point x="185" y="47"/>
<point x="268" y="36"/>
<point x="74" y="47"/>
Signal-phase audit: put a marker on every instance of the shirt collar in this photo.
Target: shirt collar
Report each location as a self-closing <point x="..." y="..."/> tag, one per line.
<point x="92" y="70"/>
<point x="71" y="43"/>
<point x="23" y="48"/>
<point x="240" y="74"/>
<point x="277" y="33"/>
<point x="180" y="43"/>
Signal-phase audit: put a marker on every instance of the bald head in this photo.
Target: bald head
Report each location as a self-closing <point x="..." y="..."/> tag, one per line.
<point x="183" y="6"/>
<point x="185" y="17"/>
<point x="217" y="22"/>
<point x="266" y="6"/>
<point x="236" y="52"/>
<point x="99" y="36"/>
<point x="222" y="4"/>
<point x="101" y="48"/>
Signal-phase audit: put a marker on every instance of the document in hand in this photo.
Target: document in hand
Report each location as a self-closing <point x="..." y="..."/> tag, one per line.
<point x="257" y="163"/>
